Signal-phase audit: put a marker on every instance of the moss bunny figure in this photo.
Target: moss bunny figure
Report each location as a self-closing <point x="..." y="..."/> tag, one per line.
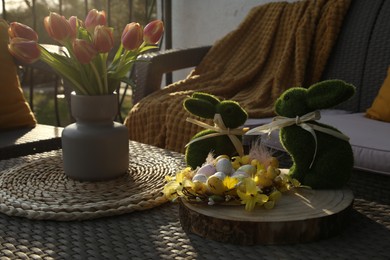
<point x="228" y="115"/>
<point x="321" y="160"/>
<point x="322" y="156"/>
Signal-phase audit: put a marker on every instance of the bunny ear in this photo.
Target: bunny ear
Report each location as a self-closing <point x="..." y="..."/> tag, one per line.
<point x="328" y="93"/>
<point x="200" y="107"/>
<point x="207" y="97"/>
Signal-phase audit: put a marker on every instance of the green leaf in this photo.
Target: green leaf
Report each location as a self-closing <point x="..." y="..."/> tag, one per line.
<point x="128" y="81"/>
<point x="118" y="54"/>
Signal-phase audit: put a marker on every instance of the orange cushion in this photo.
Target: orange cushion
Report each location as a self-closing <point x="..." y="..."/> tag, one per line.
<point x="380" y="108"/>
<point x="14" y="110"/>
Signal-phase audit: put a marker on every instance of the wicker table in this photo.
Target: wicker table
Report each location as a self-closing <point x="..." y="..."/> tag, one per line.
<point x="157" y="234"/>
<point x="25" y="141"/>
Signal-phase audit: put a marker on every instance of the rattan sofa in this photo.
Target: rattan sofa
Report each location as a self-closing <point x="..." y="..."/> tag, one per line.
<point x="361" y="56"/>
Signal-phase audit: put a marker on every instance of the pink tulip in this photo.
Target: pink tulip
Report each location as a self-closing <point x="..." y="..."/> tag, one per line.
<point x="83" y="50"/>
<point x="103" y="38"/>
<point x="94" y="18"/>
<point x="74" y="24"/>
<point x="58" y="27"/>
<point x="22" y="31"/>
<point x="24" y="50"/>
<point x="153" y="32"/>
<point x="132" y="36"/>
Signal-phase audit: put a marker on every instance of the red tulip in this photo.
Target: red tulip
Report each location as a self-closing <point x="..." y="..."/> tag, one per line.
<point x="24" y="50"/>
<point x="58" y="27"/>
<point x="94" y="18"/>
<point x="83" y="50"/>
<point x="153" y="32"/>
<point x="22" y="31"/>
<point x="132" y="36"/>
<point x="103" y="38"/>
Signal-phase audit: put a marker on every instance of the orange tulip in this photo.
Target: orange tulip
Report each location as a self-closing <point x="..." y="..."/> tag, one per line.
<point x="93" y="19"/>
<point x="103" y="38"/>
<point x="132" y="36"/>
<point x="58" y="27"/>
<point x="22" y="31"/>
<point x="83" y="50"/>
<point x="153" y="32"/>
<point x="24" y="50"/>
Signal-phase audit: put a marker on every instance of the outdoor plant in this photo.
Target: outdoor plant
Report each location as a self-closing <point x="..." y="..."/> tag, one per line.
<point x="85" y="62"/>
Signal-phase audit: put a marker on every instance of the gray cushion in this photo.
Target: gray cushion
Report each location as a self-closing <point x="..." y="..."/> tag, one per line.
<point x="349" y="55"/>
<point x="369" y="140"/>
<point x="370" y="144"/>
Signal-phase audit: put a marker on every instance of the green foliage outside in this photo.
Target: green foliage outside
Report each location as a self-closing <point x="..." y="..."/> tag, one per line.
<point x="44" y="108"/>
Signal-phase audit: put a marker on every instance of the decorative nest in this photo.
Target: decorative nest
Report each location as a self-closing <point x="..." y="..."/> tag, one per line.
<point x="253" y="180"/>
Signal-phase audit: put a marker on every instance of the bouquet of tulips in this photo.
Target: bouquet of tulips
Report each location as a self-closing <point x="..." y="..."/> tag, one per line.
<point x="85" y="63"/>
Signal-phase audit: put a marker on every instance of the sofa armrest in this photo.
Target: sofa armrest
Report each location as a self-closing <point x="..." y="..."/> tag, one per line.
<point x="151" y="67"/>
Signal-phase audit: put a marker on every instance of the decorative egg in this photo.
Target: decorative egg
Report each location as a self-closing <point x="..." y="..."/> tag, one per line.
<point x="223" y="156"/>
<point x="200" y="177"/>
<point x="224" y="165"/>
<point x="240" y="175"/>
<point x="249" y="169"/>
<point x="200" y="187"/>
<point x="220" y="175"/>
<point x="207" y="170"/>
<point x="271" y="173"/>
<point x="215" y="185"/>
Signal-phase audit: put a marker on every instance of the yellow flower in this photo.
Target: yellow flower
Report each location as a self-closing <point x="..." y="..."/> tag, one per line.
<point x="251" y="196"/>
<point x="199" y="187"/>
<point x="175" y="185"/>
<point x="230" y="185"/>
<point x="170" y="190"/>
<point x="230" y="182"/>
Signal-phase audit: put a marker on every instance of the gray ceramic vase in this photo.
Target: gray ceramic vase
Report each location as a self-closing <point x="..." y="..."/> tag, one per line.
<point x="95" y="148"/>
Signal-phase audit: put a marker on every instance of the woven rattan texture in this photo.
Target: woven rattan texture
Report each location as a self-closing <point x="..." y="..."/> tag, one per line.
<point x="157" y="234"/>
<point x="40" y="189"/>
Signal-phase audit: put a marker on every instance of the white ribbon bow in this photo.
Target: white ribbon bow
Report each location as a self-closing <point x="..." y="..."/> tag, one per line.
<point x="220" y="129"/>
<point x="279" y="122"/>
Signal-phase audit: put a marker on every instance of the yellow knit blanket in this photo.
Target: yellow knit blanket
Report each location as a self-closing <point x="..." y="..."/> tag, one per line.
<point x="277" y="46"/>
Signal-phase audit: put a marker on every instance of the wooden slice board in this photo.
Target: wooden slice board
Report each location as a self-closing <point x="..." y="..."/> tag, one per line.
<point x="302" y="216"/>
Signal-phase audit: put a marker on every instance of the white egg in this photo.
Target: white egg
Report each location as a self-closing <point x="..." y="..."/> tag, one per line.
<point x="207" y="170"/>
<point x="220" y="175"/>
<point x="200" y="177"/>
<point x="224" y="165"/>
<point x="240" y="175"/>
<point x="249" y="169"/>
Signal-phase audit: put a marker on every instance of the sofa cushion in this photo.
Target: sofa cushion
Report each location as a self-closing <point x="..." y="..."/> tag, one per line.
<point x="348" y="58"/>
<point x="369" y="140"/>
<point x="380" y="108"/>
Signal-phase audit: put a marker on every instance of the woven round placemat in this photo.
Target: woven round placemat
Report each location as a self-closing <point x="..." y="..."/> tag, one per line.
<point x="40" y="189"/>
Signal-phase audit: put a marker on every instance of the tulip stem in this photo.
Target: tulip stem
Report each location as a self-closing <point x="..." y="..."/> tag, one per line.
<point x="123" y="57"/>
<point x="95" y="71"/>
<point x="104" y="70"/>
<point x="61" y="69"/>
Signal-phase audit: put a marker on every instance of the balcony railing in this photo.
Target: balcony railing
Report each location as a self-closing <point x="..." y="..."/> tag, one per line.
<point x="119" y="13"/>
